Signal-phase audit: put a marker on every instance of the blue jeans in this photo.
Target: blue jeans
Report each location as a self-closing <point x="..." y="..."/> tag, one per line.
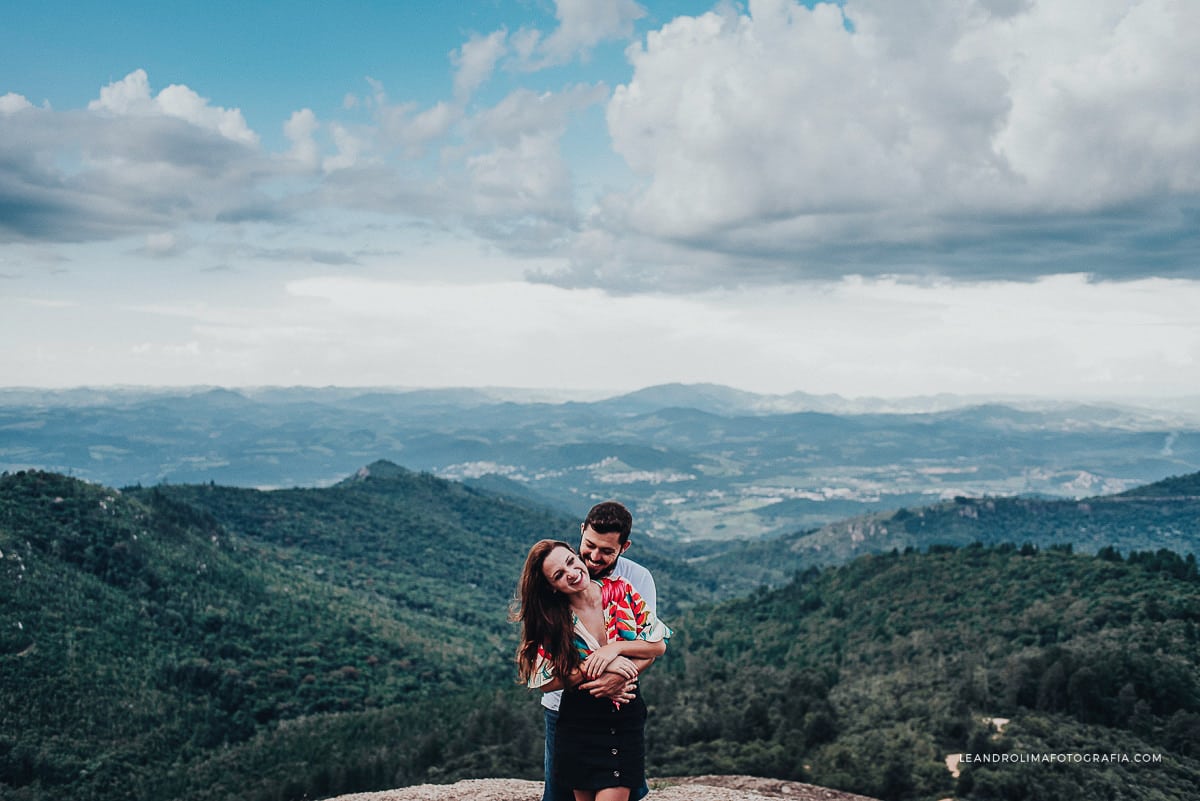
<point x="553" y="793"/>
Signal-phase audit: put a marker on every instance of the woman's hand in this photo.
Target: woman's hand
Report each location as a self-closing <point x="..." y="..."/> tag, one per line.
<point x="607" y="657"/>
<point x="623" y="667"/>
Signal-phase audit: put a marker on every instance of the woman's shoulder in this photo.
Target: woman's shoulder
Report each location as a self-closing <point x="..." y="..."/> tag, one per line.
<point x="613" y="587"/>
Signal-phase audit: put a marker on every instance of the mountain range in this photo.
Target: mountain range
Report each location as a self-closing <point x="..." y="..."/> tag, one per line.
<point x="1165" y="514"/>
<point x="696" y="462"/>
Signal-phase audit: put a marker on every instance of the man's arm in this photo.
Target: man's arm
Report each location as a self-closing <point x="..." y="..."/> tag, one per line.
<point x="599" y="660"/>
<point x="615" y="685"/>
<point x="612" y="685"/>
<point x="557" y="683"/>
<point x="642" y="580"/>
<point x="619" y="673"/>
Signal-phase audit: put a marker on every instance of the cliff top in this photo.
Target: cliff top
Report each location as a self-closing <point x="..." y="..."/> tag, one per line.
<point x="686" y="788"/>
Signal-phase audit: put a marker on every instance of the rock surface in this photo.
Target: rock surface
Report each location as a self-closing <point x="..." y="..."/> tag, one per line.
<point x="685" y="788"/>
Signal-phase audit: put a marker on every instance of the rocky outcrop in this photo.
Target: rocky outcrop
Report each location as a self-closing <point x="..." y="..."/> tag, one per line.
<point x="685" y="788"/>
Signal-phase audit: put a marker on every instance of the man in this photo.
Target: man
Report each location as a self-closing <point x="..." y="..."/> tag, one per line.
<point x="604" y="538"/>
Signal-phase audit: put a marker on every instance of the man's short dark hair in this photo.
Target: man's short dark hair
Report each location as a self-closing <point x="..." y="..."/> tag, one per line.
<point x="610" y="516"/>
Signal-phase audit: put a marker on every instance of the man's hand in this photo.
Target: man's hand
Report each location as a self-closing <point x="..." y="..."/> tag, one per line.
<point x="618" y="683"/>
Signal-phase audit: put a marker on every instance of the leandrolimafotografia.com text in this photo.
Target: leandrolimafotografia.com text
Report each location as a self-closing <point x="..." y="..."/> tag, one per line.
<point x="1066" y="758"/>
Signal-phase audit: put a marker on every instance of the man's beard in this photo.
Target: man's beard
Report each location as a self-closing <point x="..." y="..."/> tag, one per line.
<point x="603" y="572"/>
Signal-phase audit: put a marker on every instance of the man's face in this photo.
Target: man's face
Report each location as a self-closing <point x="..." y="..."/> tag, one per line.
<point x="600" y="551"/>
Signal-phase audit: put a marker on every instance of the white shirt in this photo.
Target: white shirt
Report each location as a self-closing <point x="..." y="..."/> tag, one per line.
<point x="643" y="582"/>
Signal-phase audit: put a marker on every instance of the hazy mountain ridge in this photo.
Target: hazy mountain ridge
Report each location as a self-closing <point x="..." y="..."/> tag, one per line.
<point x="714" y="398"/>
<point x="1164" y="514"/>
<point x="1145" y="518"/>
<point x="694" y="461"/>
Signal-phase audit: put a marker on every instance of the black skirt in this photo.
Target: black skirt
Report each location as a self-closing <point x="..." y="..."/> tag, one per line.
<point x="597" y="745"/>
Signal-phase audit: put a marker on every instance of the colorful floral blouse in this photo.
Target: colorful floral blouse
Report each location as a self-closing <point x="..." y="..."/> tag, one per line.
<point x="626" y="617"/>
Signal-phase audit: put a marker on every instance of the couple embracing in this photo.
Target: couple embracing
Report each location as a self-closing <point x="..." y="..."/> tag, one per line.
<point x="588" y="629"/>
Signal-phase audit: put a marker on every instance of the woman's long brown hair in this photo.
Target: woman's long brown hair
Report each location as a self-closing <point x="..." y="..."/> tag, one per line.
<point x="545" y="617"/>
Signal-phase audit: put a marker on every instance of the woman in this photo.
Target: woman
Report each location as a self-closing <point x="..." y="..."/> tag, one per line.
<point x="574" y="628"/>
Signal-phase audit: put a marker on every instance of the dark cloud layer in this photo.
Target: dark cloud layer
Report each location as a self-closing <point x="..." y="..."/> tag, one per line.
<point x="82" y="176"/>
<point x="971" y="140"/>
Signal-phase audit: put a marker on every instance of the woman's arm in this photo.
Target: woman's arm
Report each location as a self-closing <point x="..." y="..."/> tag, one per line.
<point x="619" y="681"/>
<point x="599" y="660"/>
<point x="615" y="682"/>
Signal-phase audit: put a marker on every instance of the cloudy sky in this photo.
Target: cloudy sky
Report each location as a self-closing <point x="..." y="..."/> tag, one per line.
<point x="870" y="198"/>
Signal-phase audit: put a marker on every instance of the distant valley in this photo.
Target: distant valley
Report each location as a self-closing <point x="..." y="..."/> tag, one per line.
<point x="697" y="462"/>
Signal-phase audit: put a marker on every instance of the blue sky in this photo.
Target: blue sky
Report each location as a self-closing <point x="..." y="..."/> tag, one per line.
<point x="869" y="198"/>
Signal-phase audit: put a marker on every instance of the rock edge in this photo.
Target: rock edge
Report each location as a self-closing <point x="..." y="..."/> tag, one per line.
<point x="681" y="788"/>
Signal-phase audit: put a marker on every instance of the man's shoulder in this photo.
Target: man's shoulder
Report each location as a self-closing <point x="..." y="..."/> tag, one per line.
<point x="631" y="571"/>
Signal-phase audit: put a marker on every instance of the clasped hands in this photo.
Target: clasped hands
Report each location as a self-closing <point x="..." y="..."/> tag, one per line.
<point x="610" y="675"/>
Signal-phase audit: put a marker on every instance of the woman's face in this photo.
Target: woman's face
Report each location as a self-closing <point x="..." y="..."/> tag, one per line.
<point x="564" y="571"/>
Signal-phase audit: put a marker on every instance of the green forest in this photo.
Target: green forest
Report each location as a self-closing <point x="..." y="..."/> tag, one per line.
<point x="204" y="642"/>
<point x="866" y="676"/>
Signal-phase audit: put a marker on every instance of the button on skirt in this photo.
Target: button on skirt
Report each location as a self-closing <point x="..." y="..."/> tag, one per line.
<point x="598" y="745"/>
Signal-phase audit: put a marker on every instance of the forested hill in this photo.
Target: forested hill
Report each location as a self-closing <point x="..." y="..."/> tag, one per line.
<point x="1165" y="514"/>
<point x="1177" y="487"/>
<point x="440" y="546"/>
<point x="866" y="677"/>
<point x="141" y="639"/>
<point x="152" y="636"/>
<point x="200" y="643"/>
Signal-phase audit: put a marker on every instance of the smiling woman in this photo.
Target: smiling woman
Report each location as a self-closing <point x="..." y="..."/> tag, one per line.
<point x="574" y="629"/>
<point x="564" y="571"/>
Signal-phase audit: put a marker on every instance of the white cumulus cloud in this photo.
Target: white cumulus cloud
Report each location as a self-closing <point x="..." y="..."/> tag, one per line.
<point x="12" y="102"/>
<point x="802" y="134"/>
<point x="476" y="60"/>
<point x="132" y="96"/>
<point x="518" y="168"/>
<point x="582" y="24"/>
<point x="131" y="163"/>
<point x="1105" y="98"/>
<point x="300" y="130"/>
<point x="350" y="149"/>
